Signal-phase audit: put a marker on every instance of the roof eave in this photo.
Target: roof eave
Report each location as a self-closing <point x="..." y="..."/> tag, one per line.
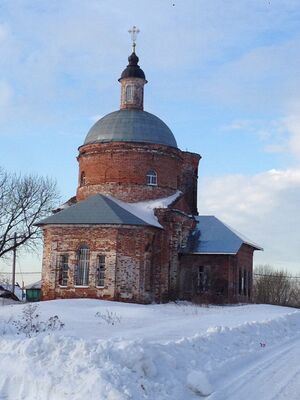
<point x="254" y="246"/>
<point x="209" y="253"/>
<point x="93" y="223"/>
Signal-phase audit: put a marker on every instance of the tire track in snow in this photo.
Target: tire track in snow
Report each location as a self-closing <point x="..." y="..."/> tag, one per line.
<point x="270" y="377"/>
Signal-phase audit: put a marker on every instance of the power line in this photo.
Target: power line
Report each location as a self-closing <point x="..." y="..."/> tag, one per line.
<point x="21" y="273"/>
<point x="278" y="276"/>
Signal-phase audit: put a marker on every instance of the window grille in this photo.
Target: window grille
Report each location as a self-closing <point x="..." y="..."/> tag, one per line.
<point x="63" y="270"/>
<point x="129" y="93"/>
<point x="101" y="270"/>
<point x="203" y="279"/>
<point x="82" y="269"/>
<point x="152" y="178"/>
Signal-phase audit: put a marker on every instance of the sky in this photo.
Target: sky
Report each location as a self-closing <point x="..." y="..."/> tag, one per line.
<point x="223" y="75"/>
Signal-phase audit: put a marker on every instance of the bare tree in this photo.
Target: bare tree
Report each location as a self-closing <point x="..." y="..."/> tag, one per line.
<point x="272" y="286"/>
<point x="24" y="200"/>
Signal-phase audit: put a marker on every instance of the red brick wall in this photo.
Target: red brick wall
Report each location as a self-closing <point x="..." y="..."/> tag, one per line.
<point x="188" y="179"/>
<point x="120" y="169"/>
<point x="141" y="262"/>
<point x="124" y="248"/>
<point x="224" y="276"/>
<point x="245" y="263"/>
<point x="219" y="277"/>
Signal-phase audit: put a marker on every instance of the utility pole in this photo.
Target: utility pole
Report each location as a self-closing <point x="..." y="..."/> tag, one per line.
<point x="14" y="263"/>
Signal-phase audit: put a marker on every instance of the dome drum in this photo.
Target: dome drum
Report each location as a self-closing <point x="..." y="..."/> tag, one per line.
<point x="122" y="170"/>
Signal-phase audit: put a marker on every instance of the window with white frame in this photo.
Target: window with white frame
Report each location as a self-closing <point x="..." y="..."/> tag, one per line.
<point x="82" y="268"/>
<point x="63" y="270"/>
<point x="129" y="93"/>
<point x="100" y="270"/>
<point x="152" y="178"/>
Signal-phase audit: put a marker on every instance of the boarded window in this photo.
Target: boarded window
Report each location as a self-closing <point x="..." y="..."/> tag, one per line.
<point x="82" y="268"/>
<point x="100" y="270"/>
<point x="63" y="270"/>
<point x="152" y="178"/>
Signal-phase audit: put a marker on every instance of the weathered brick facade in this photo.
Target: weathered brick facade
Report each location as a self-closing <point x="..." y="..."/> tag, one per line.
<point x="229" y="277"/>
<point x="141" y="262"/>
<point x="132" y="261"/>
<point x="120" y="169"/>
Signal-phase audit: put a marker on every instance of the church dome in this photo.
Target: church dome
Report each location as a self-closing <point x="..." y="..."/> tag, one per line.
<point x="131" y="125"/>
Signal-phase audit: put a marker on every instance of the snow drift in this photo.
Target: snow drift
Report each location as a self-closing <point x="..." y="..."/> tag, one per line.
<point x="154" y="352"/>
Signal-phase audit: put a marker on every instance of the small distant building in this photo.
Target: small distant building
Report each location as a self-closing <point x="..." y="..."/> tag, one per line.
<point x="33" y="291"/>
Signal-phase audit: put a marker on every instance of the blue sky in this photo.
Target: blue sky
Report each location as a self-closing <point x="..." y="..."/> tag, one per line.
<point x="224" y="75"/>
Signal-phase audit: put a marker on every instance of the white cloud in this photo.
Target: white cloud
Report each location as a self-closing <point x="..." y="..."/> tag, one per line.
<point x="277" y="136"/>
<point x="265" y="207"/>
<point x="292" y="124"/>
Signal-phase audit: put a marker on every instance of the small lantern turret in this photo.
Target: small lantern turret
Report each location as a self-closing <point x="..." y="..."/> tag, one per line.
<point x="132" y="79"/>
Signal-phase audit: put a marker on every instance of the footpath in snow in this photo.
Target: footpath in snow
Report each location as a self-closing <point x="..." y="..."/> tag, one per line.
<point x="116" y="351"/>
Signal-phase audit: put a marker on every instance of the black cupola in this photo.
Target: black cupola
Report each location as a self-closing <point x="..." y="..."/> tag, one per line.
<point x="133" y="70"/>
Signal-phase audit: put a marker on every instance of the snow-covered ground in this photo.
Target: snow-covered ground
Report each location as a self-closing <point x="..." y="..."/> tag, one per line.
<point x="172" y="351"/>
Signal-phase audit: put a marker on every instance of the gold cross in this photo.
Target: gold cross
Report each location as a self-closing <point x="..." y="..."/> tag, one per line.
<point x="133" y="33"/>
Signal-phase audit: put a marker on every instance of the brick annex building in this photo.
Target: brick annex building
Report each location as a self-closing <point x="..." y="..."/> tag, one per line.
<point x="132" y="232"/>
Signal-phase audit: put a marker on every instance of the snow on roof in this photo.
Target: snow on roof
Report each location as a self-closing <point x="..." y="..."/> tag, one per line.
<point x="101" y="209"/>
<point x="212" y="236"/>
<point x="145" y="209"/>
<point x="35" y="285"/>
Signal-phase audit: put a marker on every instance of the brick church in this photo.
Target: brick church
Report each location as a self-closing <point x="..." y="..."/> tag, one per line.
<point x="132" y="232"/>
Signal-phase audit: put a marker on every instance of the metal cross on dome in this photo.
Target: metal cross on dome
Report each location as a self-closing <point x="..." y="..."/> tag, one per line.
<point x="133" y="33"/>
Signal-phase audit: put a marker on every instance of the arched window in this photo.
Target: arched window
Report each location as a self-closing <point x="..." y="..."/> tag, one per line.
<point x="129" y="93"/>
<point x="82" y="179"/>
<point x="152" y="178"/>
<point x="82" y="269"/>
